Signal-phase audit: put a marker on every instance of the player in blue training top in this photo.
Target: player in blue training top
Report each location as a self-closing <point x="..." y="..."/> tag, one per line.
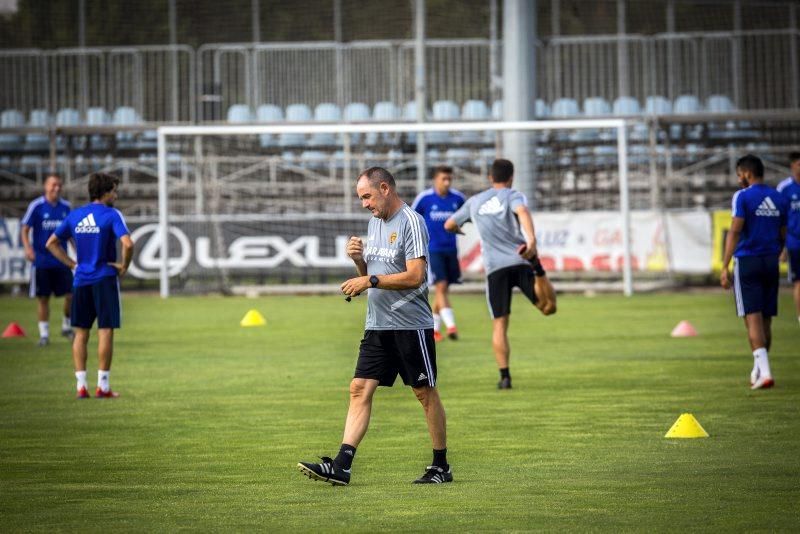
<point x="95" y="228"/>
<point x="755" y="241"/>
<point x="48" y="275"/>
<point x="436" y="205"/>
<point x="790" y="189"/>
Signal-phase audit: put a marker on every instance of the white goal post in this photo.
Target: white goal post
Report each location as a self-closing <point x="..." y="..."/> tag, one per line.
<point x="618" y="126"/>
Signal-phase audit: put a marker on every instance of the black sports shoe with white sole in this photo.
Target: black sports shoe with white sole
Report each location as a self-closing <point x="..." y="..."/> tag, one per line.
<point x="435" y="475"/>
<point x="327" y="471"/>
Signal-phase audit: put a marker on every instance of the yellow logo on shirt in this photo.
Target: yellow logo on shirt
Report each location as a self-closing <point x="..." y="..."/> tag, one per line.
<point x="393" y="238"/>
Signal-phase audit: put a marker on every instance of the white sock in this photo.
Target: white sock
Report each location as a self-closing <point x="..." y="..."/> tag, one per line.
<point x="762" y="360"/>
<point x="102" y="380"/>
<point x="437" y="322"/>
<point x="44" y="329"/>
<point x="448" y="317"/>
<point x="65" y="323"/>
<point x="81" y="376"/>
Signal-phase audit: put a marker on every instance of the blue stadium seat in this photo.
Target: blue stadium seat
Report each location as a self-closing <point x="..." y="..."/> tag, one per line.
<point x="126" y="116"/>
<point x="626" y="106"/>
<point x="11" y="118"/>
<point x="657" y="105"/>
<point x="40" y="118"/>
<point x="314" y="159"/>
<point x="410" y="114"/>
<point x="384" y="112"/>
<point x="445" y="111"/>
<point x="475" y="110"/>
<point x="596" y="106"/>
<point x="98" y="117"/>
<point x="268" y="113"/>
<point x="687" y="104"/>
<point x="566" y="107"/>
<point x="356" y="112"/>
<point x="68" y="117"/>
<point x="330" y="113"/>
<point x="542" y="110"/>
<point x="720" y="104"/>
<point x="239" y="113"/>
<point x="296" y="113"/>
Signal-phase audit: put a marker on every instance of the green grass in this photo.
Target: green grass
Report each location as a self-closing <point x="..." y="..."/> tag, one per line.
<point x="214" y="417"/>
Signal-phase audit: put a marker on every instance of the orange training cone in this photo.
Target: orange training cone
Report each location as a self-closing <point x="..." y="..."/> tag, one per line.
<point x="13" y="330"/>
<point x="684" y="329"/>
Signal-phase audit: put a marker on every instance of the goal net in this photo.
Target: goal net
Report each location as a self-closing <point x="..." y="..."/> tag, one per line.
<point x="269" y="208"/>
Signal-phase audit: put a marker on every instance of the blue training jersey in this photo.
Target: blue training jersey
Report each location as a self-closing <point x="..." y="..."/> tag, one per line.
<point x="436" y="210"/>
<point x="764" y="212"/>
<point x="790" y="189"/>
<point x="95" y="228"/>
<point x="44" y="218"/>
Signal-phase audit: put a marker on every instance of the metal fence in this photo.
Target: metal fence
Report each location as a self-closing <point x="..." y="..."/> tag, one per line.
<point x="756" y="70"/>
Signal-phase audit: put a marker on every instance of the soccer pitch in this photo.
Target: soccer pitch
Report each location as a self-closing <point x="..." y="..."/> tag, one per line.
<point x="214" y="417"/>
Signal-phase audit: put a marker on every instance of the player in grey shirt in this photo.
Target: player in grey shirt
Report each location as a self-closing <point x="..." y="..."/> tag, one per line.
<point x="509" y="258"/>
<point x="398" y="336"/>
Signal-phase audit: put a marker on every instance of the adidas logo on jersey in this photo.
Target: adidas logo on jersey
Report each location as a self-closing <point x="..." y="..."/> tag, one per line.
<point x="87" y="226"/>
<point x="767" y="208"/>
<point x="491" y="207"/>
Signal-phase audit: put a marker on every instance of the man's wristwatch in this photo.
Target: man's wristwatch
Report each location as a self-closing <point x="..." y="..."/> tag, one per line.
<point x="373" y="281"/>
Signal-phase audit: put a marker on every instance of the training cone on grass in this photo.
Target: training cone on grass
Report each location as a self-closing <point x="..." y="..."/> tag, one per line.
<point x="253" y="318"/>
<point x="13" y="330"/>
<point x="686" y="427"/>
<point x="684" y="329"/>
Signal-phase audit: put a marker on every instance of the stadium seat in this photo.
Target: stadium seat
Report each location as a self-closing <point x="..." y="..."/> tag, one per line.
<point x="566" y="107"/>
<point x="11" y="118"/>
<point x="657" y="105"/>
<point x="542" y="110"/>
<point x="443" y="111"/>
<point x="356" y="112"/>
<point x="384" y="112"/>
<point x="475" y="110"/>
<point x="68" y="117"/>
<point x="330" y="113"/>
<point x="270" y="114"/>
<point x="410" y="114"/>
<point x="40" y="118"/>
<point x="239" y="113"/>
<point x="98" y="117"/>
<point x="687" y="105"/>
<point x="314" y="159"/>
<point x="720" y="104"/>
<point x="126" y="116"/>
<point x="626" y="106"/>
<point x="296" y="113"/>
<point x="596" y="106"/>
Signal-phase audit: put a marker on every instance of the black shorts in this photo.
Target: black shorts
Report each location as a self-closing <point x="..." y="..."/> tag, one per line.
<point x="794" y="265"/>
<point x="386" y="353"/>
<point x="46" y="281"/>
<point x="500" y="283"/>
<point x="755" y="285"/>
<point x="97" y="301"/>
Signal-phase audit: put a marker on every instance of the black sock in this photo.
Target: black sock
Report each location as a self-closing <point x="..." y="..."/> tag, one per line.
<point x="345" y="457"/>
<point x="538" y="270"/>
<point x="440" y="458"/>
<point x="504" y="373"/>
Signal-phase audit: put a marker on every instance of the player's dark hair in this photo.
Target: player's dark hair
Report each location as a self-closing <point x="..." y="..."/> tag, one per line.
<point x="52" y="175"/>
<point x="794" y="156"/>
<point x="502" y="171"/>
<point x="751" y="163"/>
<point x="441" y="169"/>
<point x="376" y="175"/>
<point x="101" y="183"/>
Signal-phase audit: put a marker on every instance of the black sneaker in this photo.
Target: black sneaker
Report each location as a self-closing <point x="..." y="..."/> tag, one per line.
<point x="505" y="383"/>
<point x="327" y="471"/>
<point x="44" y="341"/>
<point x="435" y="475"/>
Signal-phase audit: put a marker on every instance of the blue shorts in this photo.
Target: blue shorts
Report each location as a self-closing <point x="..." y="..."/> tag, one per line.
<point x="444" y="266"/>
<point x="755" y="285"/>
<point x="794" y="266"/>
<point x="46" y="281"/>
<point x="97" y="301"/>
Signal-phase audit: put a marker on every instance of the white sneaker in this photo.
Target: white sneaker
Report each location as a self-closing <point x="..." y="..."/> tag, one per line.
<point x="763" y="382"/>
<point x="754" y="374"/>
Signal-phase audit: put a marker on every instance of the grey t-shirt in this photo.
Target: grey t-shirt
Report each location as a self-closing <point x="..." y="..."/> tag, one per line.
<point x="389" y="245"/>
<point x="492" y="211"/>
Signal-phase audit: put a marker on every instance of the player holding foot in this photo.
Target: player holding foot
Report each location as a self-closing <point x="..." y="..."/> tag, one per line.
<point x="436" y="205"/>
<point x="508" y="257"/>
<point x="48" y="275"/>
<point x="95" y="227"/>
<point x="790" y="189"/>
<point x="754" y="242"/>
<point x="398" y="337"/>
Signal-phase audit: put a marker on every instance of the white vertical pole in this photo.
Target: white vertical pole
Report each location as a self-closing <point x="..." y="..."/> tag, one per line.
<point x="163" y="220"/>
<point x="624" y="210"/>
<point x="420" y="88"/>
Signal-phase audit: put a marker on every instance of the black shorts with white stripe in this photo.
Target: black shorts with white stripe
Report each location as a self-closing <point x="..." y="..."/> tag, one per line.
<point x="384" y="354"/>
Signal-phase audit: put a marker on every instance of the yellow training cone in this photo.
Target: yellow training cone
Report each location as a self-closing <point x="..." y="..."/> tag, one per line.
<point x="686" y="427"/>
<point x="253" y="318"/>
